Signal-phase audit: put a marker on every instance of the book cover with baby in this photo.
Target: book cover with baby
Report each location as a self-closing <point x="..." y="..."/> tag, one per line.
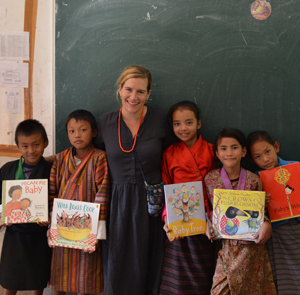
<point x="74" y="224"/>
<point x="24" y="201"/>
<point x="237" y="214"/>
<point x="185" y="208"/>
<point x="284" y="186"/>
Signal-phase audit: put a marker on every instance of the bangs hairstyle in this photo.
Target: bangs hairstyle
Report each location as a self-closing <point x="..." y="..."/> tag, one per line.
<point x="29" y="127"/>
<point x="134" y="72"/>
<point x="258" y="135"/>
<point x="184" y="105"/>
<point x="229" y="133"/>
<point x="82" y="115"/>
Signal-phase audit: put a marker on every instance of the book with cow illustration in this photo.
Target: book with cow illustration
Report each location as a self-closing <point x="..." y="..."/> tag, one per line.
<point x="237" y="214"/>
<point x="283" y="185"/>
<point x="24" y="201"/>
<point x="185" y="208"/>
<point x="74" y="224"/>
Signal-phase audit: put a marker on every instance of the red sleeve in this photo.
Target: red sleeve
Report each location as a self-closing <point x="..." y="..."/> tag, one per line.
<point x="166" y="176"/>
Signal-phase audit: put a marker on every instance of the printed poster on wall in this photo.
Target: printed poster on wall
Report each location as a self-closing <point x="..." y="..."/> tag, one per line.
<point x="237" y="214"/>
<point x="74" y="224"/>
<point x="24" y="201"/>
<point x="185" y="208"/>
<point x="284" y="186"/>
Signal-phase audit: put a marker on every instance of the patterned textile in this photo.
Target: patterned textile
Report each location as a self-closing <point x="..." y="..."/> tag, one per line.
<point x="241" y="268"/>
<point x="188" y="263"/>
<point x="284" y="252"/>
<point x="17" y="216"/>
<point x="74" y="270"/>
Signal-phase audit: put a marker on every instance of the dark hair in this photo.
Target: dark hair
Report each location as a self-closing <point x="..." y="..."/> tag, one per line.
<point x="82" y="115"/>
<point x="13" y="188"/>
<point x="27" y="199"/>
<point x="287" y="186"/>
<point x="231" y="133"/>
<point x="258" y="135"/>
<point x="184" y="105"/>
<point x="29" y="127"/>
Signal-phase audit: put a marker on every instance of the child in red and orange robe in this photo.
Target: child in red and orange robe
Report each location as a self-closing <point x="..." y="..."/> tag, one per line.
<point x="189" y="262"/>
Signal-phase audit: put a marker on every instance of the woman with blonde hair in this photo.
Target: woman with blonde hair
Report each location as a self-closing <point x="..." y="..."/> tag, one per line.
<point x="135" y="241"/>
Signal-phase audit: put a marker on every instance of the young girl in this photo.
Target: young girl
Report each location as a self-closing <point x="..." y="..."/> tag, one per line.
<point x="243" y="267"/>
<point x="189" y="262"/>
<point x="284" y="245"/>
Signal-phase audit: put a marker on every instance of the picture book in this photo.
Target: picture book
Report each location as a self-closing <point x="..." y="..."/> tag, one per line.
<point x="185" y="208"/>
<point x="24" y="201"/>
<point x="284" y="186"/>
<point x="74" y="224"/>
<point x="237" y="214"/>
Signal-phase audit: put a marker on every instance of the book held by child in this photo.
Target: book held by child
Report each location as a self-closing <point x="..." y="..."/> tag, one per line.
<point x="24" y="201"/>
<point x="283" y="184"/>
<point x="185" y="208"/>
<point x="237" y="214"/>
<point x="74" y="224"/>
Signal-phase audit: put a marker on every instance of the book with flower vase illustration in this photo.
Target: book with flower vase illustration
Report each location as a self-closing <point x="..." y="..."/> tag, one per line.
<point x="237" y="214"/>
<point x="284" y="186"/>
<point x="185" y="208"/>
<point x="74" y="224"/>
<point x="24" y="201"/>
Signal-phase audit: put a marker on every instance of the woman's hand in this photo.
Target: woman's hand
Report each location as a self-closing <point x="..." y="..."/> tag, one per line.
<point x="264" y="233"/>
<point x="168" y="230"/>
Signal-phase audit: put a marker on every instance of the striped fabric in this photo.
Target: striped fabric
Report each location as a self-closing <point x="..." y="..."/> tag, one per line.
<point x="188" y="266"/>
<point x="74" y="270"/>
<point x="284" y="252"/>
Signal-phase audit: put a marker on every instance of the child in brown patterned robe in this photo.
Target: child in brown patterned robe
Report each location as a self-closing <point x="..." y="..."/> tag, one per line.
<point x="243" y="267"/>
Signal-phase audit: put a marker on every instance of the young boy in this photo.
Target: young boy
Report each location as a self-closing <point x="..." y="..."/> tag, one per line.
<point x="26" y="256"/>
<point x="80" y="173"/>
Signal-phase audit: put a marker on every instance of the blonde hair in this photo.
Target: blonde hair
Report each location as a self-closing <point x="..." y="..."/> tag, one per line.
<point x="134" y="72"/>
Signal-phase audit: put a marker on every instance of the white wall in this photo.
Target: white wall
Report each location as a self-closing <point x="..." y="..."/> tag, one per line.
<point x="43" y="72"/>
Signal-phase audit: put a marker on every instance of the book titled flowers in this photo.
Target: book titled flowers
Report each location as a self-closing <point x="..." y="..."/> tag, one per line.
<point x="237" y="214"/>
<point x="185" y="208"/>
<point x="24" y="201"/>
<point x="74" y="224"/>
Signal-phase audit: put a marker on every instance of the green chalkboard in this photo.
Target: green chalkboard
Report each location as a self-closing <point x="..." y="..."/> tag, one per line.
<point x="242" y="72"/>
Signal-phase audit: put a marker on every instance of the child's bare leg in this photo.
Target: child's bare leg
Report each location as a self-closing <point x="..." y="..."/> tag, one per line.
<point x="9" y="292"/>
<point x="54" y="292"/>
<point x="37" y="292"/>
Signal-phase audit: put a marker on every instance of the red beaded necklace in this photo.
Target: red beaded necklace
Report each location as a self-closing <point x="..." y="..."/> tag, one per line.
<point x="119" y="132"/>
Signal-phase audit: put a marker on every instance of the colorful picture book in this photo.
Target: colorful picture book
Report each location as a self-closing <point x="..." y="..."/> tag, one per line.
<point x="284" y="186"/>
<point x="237" y="214"/>
<point x="185" y="208"/>
<point x="24" y="201"/>
<point x="74" y="224"/>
